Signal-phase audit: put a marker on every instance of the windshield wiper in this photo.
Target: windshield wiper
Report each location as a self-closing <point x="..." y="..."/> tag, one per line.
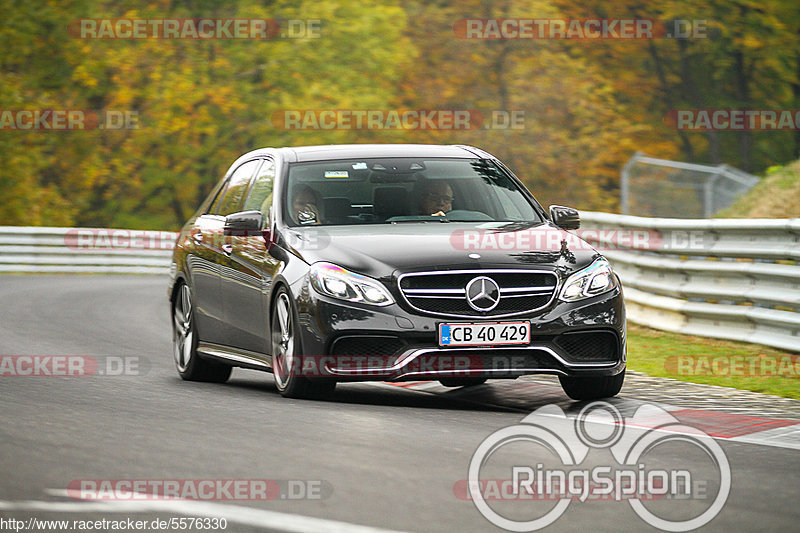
<point x="424" y="221"/>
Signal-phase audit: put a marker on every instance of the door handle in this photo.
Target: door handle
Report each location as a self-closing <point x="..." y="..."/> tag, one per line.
<point x="227" y="248"/>
<point x="197" y="237"/>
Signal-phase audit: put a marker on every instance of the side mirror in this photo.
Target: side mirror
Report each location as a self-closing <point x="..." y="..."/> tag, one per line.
<point x="243" y="224"/>
<point x="565" y="217"/>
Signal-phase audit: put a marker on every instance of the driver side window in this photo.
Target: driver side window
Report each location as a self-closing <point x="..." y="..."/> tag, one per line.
<point x="237" y="187"/>
<point x="260" y="196"/>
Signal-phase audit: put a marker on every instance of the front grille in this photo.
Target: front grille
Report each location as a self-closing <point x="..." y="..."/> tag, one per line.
<point x="591" y="346"/>
<point x="444" y="292"/>
<point x="367" y="345"/>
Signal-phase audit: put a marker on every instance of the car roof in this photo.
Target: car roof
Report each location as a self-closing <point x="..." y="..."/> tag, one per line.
<point x="358" y="151"/>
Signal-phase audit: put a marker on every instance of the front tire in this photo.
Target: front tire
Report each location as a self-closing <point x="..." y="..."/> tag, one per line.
<point x="287" y="354"/>
<point x="188" y="362"/>
<point x="592" y="388"/>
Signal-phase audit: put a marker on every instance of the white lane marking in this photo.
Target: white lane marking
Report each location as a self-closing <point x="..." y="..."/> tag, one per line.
<point x="239" y="514"/>
<point x="785" y="437"/>
<point x="782" y="437"/>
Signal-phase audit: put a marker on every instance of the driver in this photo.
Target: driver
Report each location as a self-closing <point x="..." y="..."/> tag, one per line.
<point x="305" y="207"/>
<point x="436" y="198"/>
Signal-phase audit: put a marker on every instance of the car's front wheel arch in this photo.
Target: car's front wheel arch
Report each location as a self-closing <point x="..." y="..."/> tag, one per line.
<point x="287" y="361"/>
<point x="180" y="279"/>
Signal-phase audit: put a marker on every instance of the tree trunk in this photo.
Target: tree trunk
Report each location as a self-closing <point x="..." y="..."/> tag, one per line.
<point x="686" y="145"/>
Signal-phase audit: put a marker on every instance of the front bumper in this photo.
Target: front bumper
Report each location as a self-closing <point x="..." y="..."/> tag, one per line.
<point x="354" y="342"/>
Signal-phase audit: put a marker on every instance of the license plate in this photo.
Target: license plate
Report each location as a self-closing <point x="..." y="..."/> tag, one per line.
<point x="483" y="334"/>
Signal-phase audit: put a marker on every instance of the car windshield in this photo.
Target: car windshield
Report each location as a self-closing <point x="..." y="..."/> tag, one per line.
<point x="403" y="190"/>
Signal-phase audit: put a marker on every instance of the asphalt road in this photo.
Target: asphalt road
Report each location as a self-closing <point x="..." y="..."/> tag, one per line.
<point x="385" y="457"/>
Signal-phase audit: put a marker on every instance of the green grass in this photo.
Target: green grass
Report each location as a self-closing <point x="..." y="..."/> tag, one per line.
<point x="663" y="354"/>
<point x="776" y="196"/>
<point x="656" y="353"/>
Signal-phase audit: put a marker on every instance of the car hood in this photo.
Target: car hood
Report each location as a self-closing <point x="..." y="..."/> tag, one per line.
<point x="381" y="251"/>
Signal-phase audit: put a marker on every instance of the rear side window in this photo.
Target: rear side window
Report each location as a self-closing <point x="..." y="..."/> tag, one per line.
<point x="237" y="187"/>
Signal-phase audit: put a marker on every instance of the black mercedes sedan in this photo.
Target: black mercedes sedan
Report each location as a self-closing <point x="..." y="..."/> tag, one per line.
<point x="326" y="264"/>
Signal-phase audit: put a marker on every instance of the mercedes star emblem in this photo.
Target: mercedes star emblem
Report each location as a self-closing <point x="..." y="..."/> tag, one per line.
<point x="483" y="294"/>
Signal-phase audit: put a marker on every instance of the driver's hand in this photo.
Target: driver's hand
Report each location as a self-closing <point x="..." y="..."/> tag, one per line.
<point x="309" y="215"/>
<point x="438" y="214"/>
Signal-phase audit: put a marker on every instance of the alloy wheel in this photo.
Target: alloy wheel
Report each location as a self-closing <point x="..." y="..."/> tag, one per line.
<point x="183" y="332"/>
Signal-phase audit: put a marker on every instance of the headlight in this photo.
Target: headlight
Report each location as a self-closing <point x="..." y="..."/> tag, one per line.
<point x="595" y="279"/>
<point x="336" y="282"/>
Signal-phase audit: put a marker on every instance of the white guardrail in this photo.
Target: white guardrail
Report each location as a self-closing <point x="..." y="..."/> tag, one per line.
<point x="85" y="250"/>
<point x="725" y="278"/>
<point x="735" y="279"/>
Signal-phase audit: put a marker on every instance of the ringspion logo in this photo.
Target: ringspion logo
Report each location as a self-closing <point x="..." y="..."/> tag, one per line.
<point x="516" y="490"/>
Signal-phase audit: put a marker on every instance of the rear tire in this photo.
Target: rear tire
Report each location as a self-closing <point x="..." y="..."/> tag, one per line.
<point x="462" y="382"/>
<point x="188" y="362"/>
<point x="592" y="388"/>
<point x="287" y="354"/>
